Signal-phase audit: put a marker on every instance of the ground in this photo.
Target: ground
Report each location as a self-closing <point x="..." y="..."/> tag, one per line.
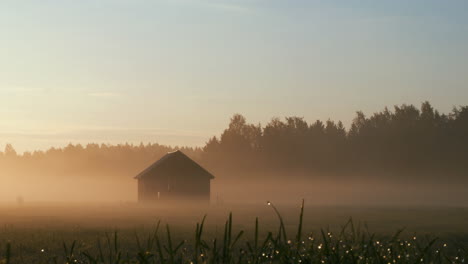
<point x="124" y="216"/>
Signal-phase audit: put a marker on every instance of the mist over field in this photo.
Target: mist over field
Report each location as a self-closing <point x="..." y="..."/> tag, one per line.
<point x="354" y="191"/>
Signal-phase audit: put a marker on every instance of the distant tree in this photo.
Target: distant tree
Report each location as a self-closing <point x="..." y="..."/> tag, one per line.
<point x="212" y="151"/>
<point x="9" y="151"/>
<point x="239" y="142"/>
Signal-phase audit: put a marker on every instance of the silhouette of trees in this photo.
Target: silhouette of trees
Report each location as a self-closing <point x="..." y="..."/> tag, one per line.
<point x="407" y="140"/>
<point x="404" y="141"/>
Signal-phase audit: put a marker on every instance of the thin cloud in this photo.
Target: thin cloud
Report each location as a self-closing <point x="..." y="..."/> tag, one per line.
<point x="217" y="4"/>
<point x="230" y="7"/>
<point x="22" y="90"/>
<point x="104" y="94"/>
<point x="99" y="132"/>
<point x="42" y="139"/>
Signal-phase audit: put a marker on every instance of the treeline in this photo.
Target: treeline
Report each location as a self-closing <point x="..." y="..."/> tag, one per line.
<point x="92" y="160"/>
<point x="395" y="143"/>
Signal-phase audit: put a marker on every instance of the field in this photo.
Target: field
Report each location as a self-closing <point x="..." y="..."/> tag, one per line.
<point x="131" y="233"/>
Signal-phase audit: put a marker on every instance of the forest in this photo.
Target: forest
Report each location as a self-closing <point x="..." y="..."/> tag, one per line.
<point x="406" y="140"/>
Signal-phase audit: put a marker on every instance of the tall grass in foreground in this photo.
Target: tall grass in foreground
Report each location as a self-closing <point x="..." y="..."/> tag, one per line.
<point x="352" y="244"/>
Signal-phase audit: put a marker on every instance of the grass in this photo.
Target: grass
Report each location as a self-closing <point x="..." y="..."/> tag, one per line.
<point x="351" y="244"/>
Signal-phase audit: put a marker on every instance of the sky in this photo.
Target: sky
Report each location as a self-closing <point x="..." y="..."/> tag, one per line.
<point x="175" y="71"/>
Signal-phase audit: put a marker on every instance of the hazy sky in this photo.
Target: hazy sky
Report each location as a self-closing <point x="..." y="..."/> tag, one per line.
<point x="174" y="71"/>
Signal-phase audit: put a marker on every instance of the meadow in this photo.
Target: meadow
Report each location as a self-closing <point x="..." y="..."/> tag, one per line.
<point x="253" y="233"/>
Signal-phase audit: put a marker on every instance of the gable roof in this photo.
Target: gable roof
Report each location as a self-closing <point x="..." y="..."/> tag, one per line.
<point x="175" y="158"/>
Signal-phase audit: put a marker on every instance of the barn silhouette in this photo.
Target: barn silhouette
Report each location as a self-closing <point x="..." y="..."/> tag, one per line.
<point x="175" y="177"/>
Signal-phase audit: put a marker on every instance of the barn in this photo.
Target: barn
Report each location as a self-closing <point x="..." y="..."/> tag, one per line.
<point x="175" y="177"/>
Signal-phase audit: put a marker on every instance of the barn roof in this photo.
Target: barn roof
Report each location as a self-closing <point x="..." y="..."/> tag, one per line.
<point x="175" y="159"/>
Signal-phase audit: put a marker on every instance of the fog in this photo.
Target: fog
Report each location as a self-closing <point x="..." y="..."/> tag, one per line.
<point x="60" y="215"/>
<point x="322" y="191"/>
<point x="35" y="201"/>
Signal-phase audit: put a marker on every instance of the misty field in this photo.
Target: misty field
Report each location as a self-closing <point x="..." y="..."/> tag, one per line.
<point x="131" y="233"/>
